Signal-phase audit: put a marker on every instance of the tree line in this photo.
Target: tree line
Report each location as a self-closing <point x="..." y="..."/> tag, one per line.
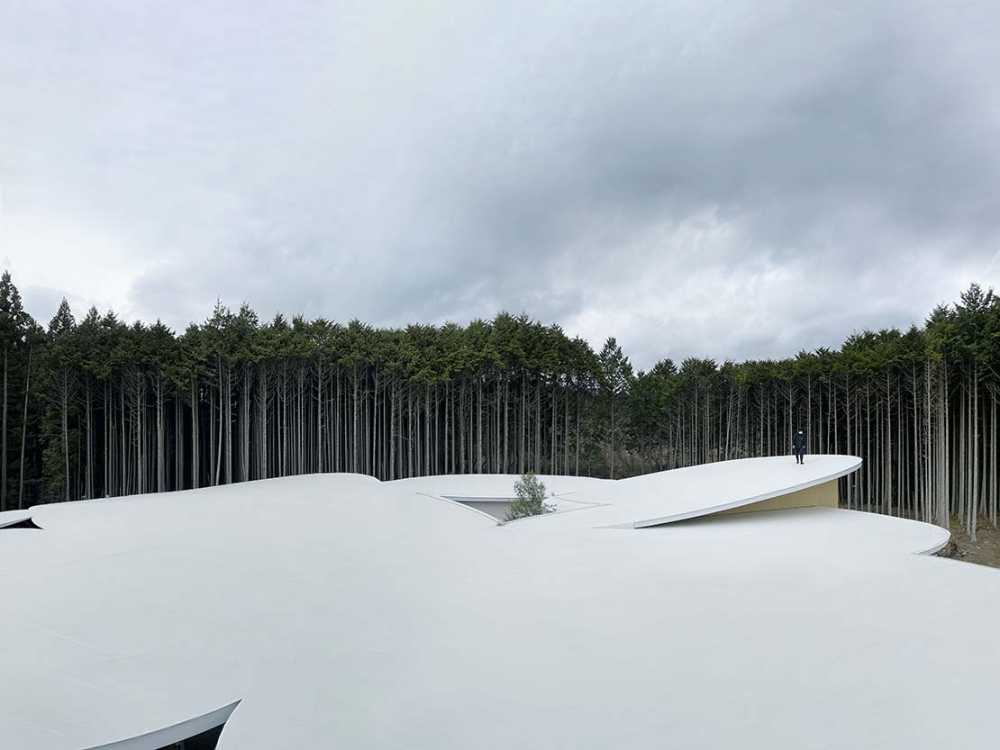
<point x="97" y="408"/>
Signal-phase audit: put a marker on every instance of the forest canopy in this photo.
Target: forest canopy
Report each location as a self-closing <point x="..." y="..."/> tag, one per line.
<point x="96" y="407"/>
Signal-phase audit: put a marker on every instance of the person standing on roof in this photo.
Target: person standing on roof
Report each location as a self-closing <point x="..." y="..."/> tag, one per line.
<point x="799" y="446"/>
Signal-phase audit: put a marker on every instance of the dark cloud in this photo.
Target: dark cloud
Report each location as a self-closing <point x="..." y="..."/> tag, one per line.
<point x="725" y="179"/>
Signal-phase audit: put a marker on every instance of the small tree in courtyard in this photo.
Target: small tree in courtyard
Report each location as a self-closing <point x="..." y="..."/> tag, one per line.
<point x="530" y="498"/>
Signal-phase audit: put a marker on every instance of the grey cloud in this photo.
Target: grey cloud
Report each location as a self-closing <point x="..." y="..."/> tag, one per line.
<point x="715" y="179"/>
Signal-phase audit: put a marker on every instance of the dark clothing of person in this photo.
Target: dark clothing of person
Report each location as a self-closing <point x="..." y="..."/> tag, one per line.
<point x="799" y="446"/>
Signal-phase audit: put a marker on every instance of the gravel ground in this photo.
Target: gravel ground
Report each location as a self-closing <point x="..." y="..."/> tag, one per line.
<point x="984" y="551"/>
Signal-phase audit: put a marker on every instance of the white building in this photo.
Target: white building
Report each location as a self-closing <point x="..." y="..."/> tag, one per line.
<point x="338" y="611"/>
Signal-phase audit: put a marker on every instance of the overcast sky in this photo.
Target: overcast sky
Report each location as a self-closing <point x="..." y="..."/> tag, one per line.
<point x="727" y="179"/>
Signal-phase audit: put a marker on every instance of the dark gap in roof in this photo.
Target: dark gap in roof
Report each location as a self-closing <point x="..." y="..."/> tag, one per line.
<point x="205" y="741"/>
<point x="27" y="523"/>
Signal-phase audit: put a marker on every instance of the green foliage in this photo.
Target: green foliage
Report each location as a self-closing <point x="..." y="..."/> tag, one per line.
<point x="530" y="493"/>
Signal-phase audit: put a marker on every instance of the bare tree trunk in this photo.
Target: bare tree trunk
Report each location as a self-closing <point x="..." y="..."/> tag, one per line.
<point x="222" y="413"/>
<point x="319" y="415"/>
<point x="24" y="433"/>
<point x="64" y="398"/>
<point x="3" y="440"/>
<point x="195" y="467"/>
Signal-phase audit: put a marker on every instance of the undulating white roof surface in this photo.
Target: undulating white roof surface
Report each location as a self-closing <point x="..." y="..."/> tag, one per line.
<point x="653" y="499"/>
<point x="338" y="611"/>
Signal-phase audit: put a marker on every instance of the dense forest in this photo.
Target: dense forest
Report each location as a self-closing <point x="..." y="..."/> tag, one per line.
<point x="95" y="407"/>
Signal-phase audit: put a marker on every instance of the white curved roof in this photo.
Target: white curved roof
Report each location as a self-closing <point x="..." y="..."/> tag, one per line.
<point x="11" y="517"/>
<point x="340" y="611"/>
<point x="658" y="498"/>
<point x="694" y="491"/>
